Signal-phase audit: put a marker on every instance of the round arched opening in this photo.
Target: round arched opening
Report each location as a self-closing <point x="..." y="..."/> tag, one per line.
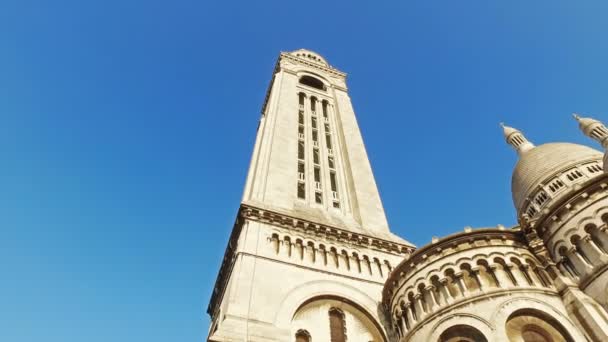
<point x="535" y="326"/>
<point x="312" y="82"/>
<point x="462" y="333"/>
<point x="334" y="319"/>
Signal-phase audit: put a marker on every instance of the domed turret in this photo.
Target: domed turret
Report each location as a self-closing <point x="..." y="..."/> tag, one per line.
<point x="544" y="173"/>
<point x="516" y="139"/>
<point x="597" y="131"/>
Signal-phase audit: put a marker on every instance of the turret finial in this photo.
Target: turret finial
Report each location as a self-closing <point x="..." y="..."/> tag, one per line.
<point x="594" y="129"/>
<point x="516" y="139"/>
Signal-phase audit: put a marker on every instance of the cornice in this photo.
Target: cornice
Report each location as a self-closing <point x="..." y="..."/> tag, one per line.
<point x="254" y="213"/>
<point x="327" y="69"/>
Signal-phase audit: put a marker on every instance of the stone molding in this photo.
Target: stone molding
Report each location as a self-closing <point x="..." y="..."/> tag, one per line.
<point x="252" y="213"/>
<point x="342" y="235"/>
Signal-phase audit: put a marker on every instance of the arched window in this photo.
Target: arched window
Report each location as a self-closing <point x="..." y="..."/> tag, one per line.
<point x="303" y="336"/>
<point x="312" y="82"/>
<point x="534" y="326"/>
<point x="337" y="326"/>
<point x="462" y="333"/>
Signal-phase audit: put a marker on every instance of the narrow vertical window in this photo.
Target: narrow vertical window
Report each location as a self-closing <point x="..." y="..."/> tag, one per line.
<point x="301" y="118"/>
<point x="315" y="135"/>
<point x="330" y="162"/>
<point x="301" y="190"/>
<point x="318" y="197"/>
<point x="315" y="156"/>
<point x="324" y="109"/>
<point x="337" y="327"/>
<point x="301" y="99"/>
<point x="301" y="150"/>
<point x="301" y="172"/>
<point x="332" y="179"/>
<point x="313" y="103"/>
<point x="328" y="141"/>
<point x="313" y="121"/>
<point x="317" y="175"/>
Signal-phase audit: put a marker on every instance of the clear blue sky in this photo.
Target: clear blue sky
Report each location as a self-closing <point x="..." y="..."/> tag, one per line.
<point x="127" y="127"/>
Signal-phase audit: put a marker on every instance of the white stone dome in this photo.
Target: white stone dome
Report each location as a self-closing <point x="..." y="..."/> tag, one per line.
<point x="542" y="163"/>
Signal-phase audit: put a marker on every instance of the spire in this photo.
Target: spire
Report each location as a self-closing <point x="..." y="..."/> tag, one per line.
<point x="594" y="129"/>
<point x="516" y="139"/>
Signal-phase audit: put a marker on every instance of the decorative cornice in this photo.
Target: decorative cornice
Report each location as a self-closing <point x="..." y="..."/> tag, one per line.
<point x="327" y="69"/>
<point x="253" y="213"/>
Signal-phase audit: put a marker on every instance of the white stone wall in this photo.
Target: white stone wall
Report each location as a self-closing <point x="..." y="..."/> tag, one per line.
<point x="268" y="284"/>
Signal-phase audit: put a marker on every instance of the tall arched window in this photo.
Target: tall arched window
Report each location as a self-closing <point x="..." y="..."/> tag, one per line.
<point x="337" y="326"/>
<point x="303" y="336"/>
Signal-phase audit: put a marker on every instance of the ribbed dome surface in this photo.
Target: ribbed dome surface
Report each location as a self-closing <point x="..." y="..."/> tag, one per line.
<point x="542" y="162"/>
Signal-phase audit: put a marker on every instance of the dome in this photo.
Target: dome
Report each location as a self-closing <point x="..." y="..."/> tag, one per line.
<point x="543" y="162"/>
<point x="310" y="56"/>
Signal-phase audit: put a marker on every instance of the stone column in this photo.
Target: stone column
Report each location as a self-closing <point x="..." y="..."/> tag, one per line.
<point x="310" y="255"/>
<point x="355" y="264"/>
<point x="519" y="276"/>
<point x="402" y="323"/>
<point x="420" y="309"/>
<point x="602" y="236"/>
<point x="411" y="315"/>
<point x="579" y="263"/>
<point x="285" y="249"/>
<point x="461" y="285"/>
<point x="434" y="303"/>
<point x="504" y="281"/>
<point x="474" y="274"/>
<point x="385" y="270"/>
<point x="444" y="291"/>
<point x="591" y="250"/>
<point x="482" y="281"/>
<point x="535" y="277"/>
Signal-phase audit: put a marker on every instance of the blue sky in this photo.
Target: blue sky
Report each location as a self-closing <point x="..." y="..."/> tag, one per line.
<point x="127" y="127"/>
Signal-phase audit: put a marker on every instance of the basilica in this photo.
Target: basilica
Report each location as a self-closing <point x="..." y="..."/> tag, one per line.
<point x="311" y="256"/>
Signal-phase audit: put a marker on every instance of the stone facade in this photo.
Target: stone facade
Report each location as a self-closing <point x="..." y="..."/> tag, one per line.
<point x="311" y="256"/>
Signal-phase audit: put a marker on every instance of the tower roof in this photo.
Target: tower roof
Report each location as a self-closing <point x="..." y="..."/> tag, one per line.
<point x="310" y="55"/>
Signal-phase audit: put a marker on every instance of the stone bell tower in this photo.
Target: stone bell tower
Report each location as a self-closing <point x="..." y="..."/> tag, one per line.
<point x="311" y="247"/>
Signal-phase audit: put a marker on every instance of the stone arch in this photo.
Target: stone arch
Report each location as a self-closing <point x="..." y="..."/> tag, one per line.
<point x="304" y="293"/>
<point x="303" y="72"/>
<point x="556" y="249"/>
<point x="477" y="322"/>
<point x="512" y="306"/>
<point x="599" y="238"/>
<point x="462" y="333"/>
<point x="486" y="274"/>
<point x="534" y="325"/>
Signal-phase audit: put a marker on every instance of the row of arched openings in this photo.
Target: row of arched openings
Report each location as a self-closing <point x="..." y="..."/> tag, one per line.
<point x="524" y="325"/>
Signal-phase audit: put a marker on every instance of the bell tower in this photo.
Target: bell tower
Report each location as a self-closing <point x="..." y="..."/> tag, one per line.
<point x="311" y="247"/>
